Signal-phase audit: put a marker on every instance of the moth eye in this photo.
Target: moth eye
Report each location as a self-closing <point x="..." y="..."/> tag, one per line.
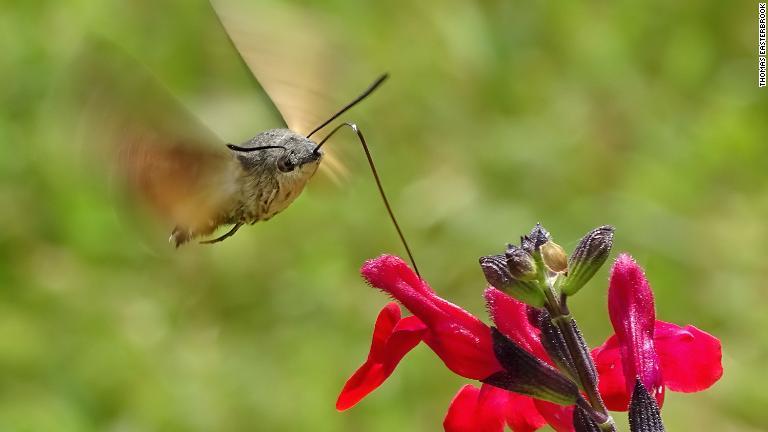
<point x="284" y="164"/>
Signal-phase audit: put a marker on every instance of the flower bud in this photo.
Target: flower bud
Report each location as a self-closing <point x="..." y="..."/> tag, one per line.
<point x="588" y="257"/>
<point x="554" y="257"/>
<point x="583" y="422"/>
<point x="531" y="242"/>
<point x="521" y="264"/>
<point x="526" y="374"/>
<point x="498" y="275"/>
<point x="553" y="341"/>
<point x="644" y="415"/>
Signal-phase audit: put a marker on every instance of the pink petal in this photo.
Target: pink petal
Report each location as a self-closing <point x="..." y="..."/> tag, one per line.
<point x="472" y="412"/>
<point x="522" y="414"/>
<point x="382" y="329"/>
<point x="631" y="308"/>
<point x="487" y="410"/>
<point x="392" y="339"/>
<point x="612" y="384"/>
<point x="690" y="358"/>
<point x="559" y="417"/>
<point x="461" y="340"/>
<point x="690" y="361"/>
<point x="512" y="319"/>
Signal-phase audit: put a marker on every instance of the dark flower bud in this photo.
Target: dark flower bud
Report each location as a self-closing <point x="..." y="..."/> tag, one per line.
<point x="498" y="275"/>
<point x="524" y="373"/>
<point x="554" y="343"/>
<point x="531" y="242"/>
<point x="588" y="257"/>
<point x="521" y="264"/>
<point x="554" y="257"/>
<point x="583" y="422"/>
<point x="644" y="415"/>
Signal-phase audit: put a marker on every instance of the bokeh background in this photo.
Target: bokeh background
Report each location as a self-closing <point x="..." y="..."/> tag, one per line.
<point x="643" y="115"/>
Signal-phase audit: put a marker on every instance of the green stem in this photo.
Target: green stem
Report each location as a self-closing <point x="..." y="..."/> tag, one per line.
<point x="561" y="317"/>
<point x="584" y="365"/>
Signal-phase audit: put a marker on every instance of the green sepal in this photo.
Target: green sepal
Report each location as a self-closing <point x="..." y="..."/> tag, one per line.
<point x="587" y="259"/>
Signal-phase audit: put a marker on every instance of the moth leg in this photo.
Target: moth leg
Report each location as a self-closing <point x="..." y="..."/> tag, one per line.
<point x="179" y="236"/>
<point x="229" y="233"/>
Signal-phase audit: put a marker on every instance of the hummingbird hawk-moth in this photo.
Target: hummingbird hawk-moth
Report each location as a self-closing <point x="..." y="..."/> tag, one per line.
<point x="184" y="172"/>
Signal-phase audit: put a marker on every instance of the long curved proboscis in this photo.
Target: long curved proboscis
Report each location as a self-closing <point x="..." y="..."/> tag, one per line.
<point x="378" y="181"/>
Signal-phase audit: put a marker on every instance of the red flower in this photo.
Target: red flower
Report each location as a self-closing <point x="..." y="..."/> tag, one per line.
<point x="683" y="359"/>
<point x="659" y="353"/>
<point x="513" y="319"/>
<point x="392" y="339"/>
<point x="462" y="341"/>
<point x="488" y="409"/>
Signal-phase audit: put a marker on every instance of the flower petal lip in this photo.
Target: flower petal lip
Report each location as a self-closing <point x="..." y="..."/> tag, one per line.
<point x="393" y="338"/>
<point x="691" y="359"/>
<point x="559" y="417"/>
<point x="522" y="414"/>
<point x="488" y="408"/>
<point x="462" y="412"/>
<point x="475" y="410"/>
<point x="632" y="313"/>
<point x="461" y="340"/>
<point x="612" y="384"/>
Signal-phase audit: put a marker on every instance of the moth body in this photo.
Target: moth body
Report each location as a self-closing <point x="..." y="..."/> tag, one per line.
<point x="265" y="175"/>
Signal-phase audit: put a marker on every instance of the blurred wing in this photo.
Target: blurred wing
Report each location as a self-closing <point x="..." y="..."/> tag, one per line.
<point x="290" y="53"/>
<point x="185" y="185"/>
<point x="175" y="165"/>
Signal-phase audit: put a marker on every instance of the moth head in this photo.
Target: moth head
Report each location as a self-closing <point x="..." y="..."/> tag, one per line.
<point x="281" y="153"/>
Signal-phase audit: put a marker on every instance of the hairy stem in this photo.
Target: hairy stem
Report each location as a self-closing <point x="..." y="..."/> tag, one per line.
<point x="561" y="317"/>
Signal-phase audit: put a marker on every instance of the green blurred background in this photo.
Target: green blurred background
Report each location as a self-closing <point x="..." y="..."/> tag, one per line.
<point x="644" y="115"/>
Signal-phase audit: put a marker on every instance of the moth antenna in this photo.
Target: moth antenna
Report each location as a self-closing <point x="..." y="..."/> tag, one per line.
<point x="354" y="102"/>
<point x="378" y="182"/>
<point x="250" y="149"/>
